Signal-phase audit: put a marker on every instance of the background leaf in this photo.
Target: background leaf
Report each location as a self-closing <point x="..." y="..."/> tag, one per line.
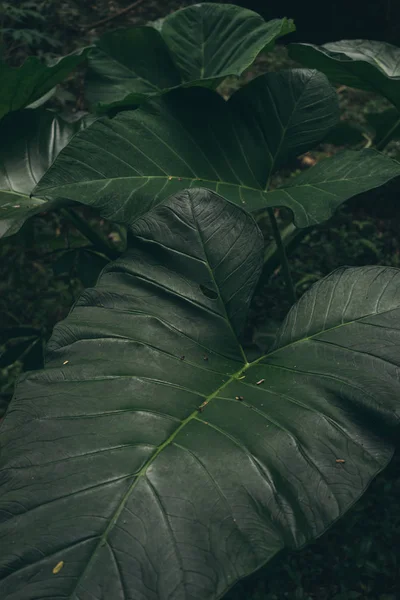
<point x="365" y="64"/>
<point x="211" y="41"/>
<point x="23" y="85"/>
<point x="147" y="495"/>
<point x="198" y="45"/>
<point x="127" y="67"/>
<point x="30" y="141"/>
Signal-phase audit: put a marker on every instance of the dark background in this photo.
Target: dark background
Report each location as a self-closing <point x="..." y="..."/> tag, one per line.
<point x="321" y="21"/>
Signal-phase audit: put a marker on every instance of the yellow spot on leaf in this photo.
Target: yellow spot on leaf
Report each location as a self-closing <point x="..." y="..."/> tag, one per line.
<point x="58" y="567"/>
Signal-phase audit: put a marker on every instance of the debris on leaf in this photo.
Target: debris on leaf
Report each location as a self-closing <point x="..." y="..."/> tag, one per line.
<point x="58" y="567"/>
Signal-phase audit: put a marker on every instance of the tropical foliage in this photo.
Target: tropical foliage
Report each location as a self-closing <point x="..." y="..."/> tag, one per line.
<point x="154" y="455"/>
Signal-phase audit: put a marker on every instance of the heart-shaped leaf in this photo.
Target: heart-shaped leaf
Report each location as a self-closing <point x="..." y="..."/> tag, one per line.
<point x="21" y="86"/>
<point x="365" y="64"/>
<point x="126" y="165"/>
<point x="30" y="141"/>
<point x="150" y="459"/>
<point x="198" y="45"/>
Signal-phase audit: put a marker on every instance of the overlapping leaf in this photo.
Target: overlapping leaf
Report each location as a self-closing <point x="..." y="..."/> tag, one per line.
<point x="21" y="86"/>
<point x="192" y="137"/>
<point x="150" y="459"/>
<point x="198" y="45"/>
<point x="369" y="65"/>
<point x="366" y="64"/>
<point x="30" y="141"/>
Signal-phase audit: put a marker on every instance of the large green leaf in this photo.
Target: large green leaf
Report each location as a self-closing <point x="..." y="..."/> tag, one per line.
<point x="198" y="45"/>
<point x="124" y="166"/>
<point x="21" y="86"/>
<point x="365" y="64"/>
<point x="30" y="141"/>
<point x="150" y="460"/>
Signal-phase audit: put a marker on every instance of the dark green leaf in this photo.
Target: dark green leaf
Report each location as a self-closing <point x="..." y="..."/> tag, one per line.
<point x="29" y="142"/>
<point x="129" y="66"/>
<point x="20" y="86"/>
<point x="213" y="41"/>
<point x="365" y="64"/>
<point x="194" y="138"/>
<point x="113" y="482"/>
<point x="324" y="187"/>
<point x="198" y="45"/>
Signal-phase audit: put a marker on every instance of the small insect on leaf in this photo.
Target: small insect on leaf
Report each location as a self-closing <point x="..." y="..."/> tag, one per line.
<point x="202" y="406"/>
<point x="65" y="362"/>
<point x="58" y="567"/>
<point x="239" y="398"/>
<point x="340" y="460"/>
<point x="260" y="382"/>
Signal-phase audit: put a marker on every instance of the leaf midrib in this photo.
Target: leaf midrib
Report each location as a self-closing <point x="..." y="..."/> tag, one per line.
<point x="194" y="415"/>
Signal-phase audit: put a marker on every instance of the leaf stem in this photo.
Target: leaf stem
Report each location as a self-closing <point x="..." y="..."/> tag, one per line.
<point x="383" y="143"/>
<point x="282" y="254"/>
<point x="99" y="242"/>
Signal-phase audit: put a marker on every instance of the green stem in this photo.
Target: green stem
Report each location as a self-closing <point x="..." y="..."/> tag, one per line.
<point x="383" y="143"/>
<point x="282" y="254"/>
<point x="99" y="242"/>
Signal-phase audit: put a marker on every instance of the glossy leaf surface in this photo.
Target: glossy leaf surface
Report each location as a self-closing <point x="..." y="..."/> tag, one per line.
<point x="198" y="45"/>
<point x="366" y="64"/>
<point x="190" y="138"/>
<point x="30" y="141"/>
<point x="150" y="459"/>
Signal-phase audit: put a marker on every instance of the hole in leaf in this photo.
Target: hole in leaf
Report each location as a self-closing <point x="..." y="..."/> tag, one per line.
<point x="208" y="292"/>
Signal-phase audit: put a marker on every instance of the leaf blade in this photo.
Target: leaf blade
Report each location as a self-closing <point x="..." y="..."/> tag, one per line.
<point x="169" y="487"/>
<point x="126" y="165"/>
<point x="366" y="64"/>
<point x="33" y="140"/>
<point x="26" y="84"/>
